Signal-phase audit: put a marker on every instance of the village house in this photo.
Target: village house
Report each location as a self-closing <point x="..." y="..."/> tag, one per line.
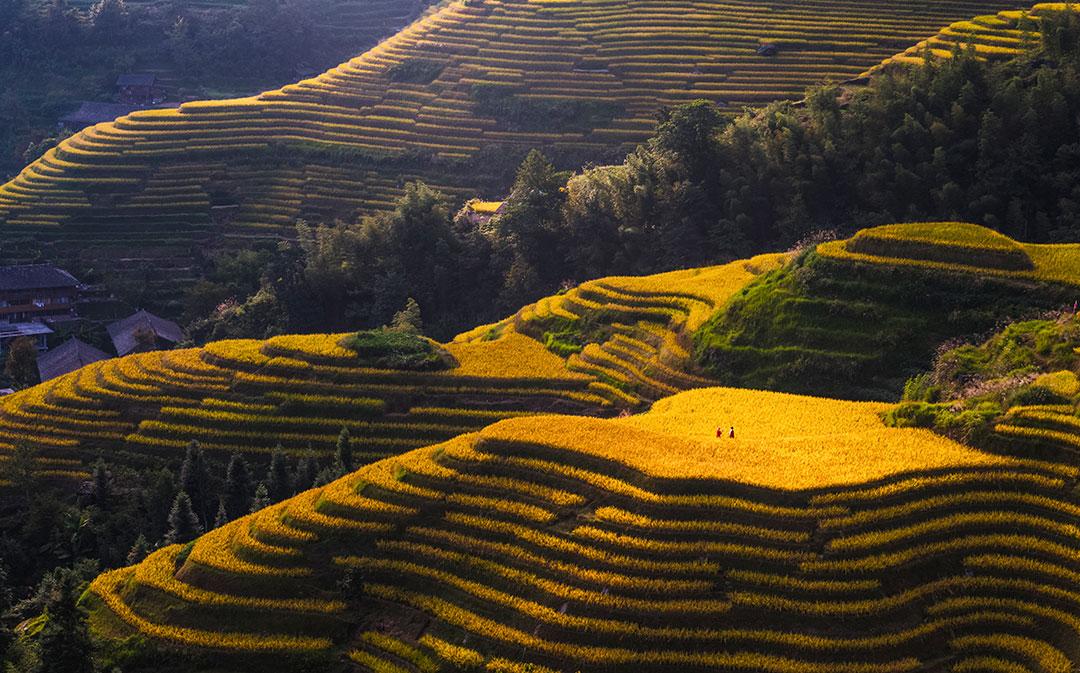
<point x="66" y="358"/>
<point x="479" y="212"/>
<point x="143" y="331"/>
<point x="90" y="112"/>
<point x="32" y="296"/>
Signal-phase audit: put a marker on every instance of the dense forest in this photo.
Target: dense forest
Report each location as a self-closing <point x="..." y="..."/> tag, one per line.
<point x="953" y="139"/>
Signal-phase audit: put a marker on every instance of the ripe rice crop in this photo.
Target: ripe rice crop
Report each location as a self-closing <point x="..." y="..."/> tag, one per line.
<point x="769" y="427"/>
<point x="625" y="574"/>
<point x="1048" y="262"/>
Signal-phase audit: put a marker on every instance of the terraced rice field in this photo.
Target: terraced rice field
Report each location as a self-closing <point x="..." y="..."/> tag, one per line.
<point x="513" y="546"/>
<point x="992" y="37"/>
<point x="639" y="328"/>
<point x="159" y="182"/>
<point x="299" y="391"/>
<point x="959" y="246"/>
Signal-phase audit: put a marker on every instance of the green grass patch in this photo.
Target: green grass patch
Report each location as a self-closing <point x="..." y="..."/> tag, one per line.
<point x="854" y="330"/>
<point x="416" y="71"/>
<point x="517" y="112"/>
<point x="389" y="349"/>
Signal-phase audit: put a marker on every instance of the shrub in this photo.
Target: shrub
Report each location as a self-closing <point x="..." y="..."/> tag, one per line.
<point x="415" y="71"/>
<point x="389" y="349"/>
<point x="505" y="102"/>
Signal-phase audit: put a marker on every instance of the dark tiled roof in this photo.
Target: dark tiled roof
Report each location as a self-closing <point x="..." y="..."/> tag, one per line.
<point x="34" y="276"/>
<point x="14" y="330"/>
<point x="136" y="79"/>
<point x="67" y="357"/>
<point x="90" y="112"/>
<point x="122" y="332"/>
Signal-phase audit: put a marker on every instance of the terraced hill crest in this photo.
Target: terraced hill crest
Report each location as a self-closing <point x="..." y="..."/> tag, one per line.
<point x="992" y="37"/>
<point x="857" y="317"/>
<point x="443" y="100"/>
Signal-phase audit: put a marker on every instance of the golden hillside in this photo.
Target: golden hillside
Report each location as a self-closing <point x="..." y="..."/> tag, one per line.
<point x="443" y="100"/>
<point x="641" y="544"/>
<point x="992" y="37"/>
<point x="299" y="391"/>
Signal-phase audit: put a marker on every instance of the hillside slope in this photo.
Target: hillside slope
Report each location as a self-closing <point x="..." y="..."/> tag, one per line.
<point x="452" y="99"/>
<point x="817" y="540"/>
<point x="299" y="391"/>
<point x="992" y="37"/>
<point x="856" y="318"/>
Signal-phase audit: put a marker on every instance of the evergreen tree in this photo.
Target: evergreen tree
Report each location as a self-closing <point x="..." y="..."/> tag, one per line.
<point x="102" y="484"/>
<point x="139" y="550"/>
<point x="237" y="491"/>
<point x="307" y="468"/>
<point x="277" y="476"/>
<point x="21" y="363"/>
<point x="184" y="526"/>
<point x="195" y="479"/>
<point x="65" y="638"/>
<point x="325" y="476"/>
<point x="157" y="496"/>
<point x="529" y="230"/>
<point x="6" y="636"/>
<point x="261" y="499"/>
<point x="109" y="19"/>
<point x="343" y="457"/>
<point x="689" y="132"/>
<point x="21" y="470"/>
<point x="222" y="516"/>
<point x="408" y="319"/>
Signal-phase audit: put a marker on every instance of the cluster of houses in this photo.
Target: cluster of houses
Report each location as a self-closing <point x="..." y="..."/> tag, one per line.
<point x="36" y="298"/>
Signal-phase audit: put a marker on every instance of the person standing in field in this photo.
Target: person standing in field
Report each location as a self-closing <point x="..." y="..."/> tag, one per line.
<point x="731" y="433"/>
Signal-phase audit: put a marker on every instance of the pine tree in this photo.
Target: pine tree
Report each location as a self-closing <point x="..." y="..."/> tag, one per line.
<point x="138" y="551"/>
<point x="184" y="526"/>
<point x="21" y="363"/>
<point x="277" y="476"/>
<point x="261" y="499"/>
<point x="102" y="484"/>
<point x="304" y="477"/>
<point x="343" y="458"/>
<point x="65" y="638"/>
<point x="195" y="479"/>
<point x="408" y="319"/>
<point x="20" y="470"/>
<point x="237" y="493"/>
<point x="325" y="476"/>
<point x="6" y="635"/>
<point x="222" y="516"/>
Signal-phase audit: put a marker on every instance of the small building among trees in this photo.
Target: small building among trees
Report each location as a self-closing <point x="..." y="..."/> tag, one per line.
<point x="143" y="331"/>
<point x="479" y="212"/>
<point x="140" y="88"/>
<point x="67" y="357"/>
<point x="93" y="112"/>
